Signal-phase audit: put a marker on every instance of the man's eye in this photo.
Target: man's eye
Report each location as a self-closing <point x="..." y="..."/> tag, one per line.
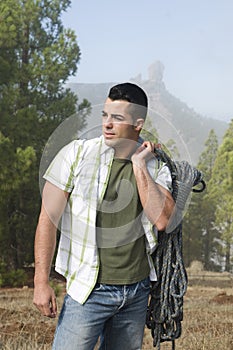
<point x="118" y="117"/>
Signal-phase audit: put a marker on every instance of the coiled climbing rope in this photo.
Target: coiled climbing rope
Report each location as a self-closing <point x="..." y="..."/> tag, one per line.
<point x="165" y="310"/>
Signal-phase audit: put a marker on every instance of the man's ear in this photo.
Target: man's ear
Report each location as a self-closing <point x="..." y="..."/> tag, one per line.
<point x="139" y="124"/>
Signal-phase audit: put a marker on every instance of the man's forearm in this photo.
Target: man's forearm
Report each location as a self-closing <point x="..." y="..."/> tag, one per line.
<point x="45" y="243"/>
<point x="54" y="201"/>
<point x="156" y="201"/>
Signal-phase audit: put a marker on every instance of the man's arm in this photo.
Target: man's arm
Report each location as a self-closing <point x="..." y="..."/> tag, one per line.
<point x="53" y="203"/>
<point x="157" y="202"/>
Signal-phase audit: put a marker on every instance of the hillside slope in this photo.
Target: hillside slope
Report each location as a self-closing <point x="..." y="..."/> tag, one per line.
<point x="172" y="118"/>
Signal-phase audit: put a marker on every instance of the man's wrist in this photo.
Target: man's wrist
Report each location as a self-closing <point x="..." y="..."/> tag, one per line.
<point x="40" y="279"/>
<point x="138" y="162"/>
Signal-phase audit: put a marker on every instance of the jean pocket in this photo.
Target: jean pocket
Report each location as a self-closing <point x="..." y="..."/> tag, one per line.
<point x="98" y="287"/>
<point x="145" y="284"/>
<point x="68" y="300"/>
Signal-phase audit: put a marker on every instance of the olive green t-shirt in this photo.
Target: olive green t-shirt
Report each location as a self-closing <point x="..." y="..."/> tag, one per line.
<point x="120" y="234"/>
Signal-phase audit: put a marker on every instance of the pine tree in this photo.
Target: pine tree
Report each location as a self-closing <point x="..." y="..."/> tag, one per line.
<point x="37" y="56"/>
<point x="199" y="231"/>
<point x="221" y="193"/>
<point x="207" y="206"/>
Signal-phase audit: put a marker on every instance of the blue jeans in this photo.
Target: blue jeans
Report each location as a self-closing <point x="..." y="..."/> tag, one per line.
<point x="115" y="313"/>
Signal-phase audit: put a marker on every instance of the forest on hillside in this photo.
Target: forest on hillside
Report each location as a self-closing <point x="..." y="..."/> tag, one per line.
<point x="37" y="56"/>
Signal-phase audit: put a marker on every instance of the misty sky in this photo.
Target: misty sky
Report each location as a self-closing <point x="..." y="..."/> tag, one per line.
<point x="193" y="39"/>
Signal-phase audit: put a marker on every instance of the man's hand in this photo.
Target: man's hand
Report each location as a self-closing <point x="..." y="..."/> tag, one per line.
<point x="45" y="299"/>
<point x="143" y="153"/>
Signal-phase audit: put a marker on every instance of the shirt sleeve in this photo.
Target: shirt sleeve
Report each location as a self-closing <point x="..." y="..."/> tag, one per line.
<point x="164" y="178"/>
<point x="61" y="170"/>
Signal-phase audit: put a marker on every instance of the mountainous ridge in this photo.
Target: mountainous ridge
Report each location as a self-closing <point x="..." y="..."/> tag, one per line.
<point x="172" y="118"/>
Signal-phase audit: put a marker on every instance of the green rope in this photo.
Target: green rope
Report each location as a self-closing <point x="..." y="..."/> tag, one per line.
<point x="165" y="310"/>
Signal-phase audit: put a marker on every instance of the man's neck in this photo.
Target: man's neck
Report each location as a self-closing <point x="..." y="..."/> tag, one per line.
<point x="125" y="152"/>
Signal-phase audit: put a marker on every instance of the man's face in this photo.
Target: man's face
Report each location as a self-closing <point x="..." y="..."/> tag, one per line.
<point x="118" y="125"/>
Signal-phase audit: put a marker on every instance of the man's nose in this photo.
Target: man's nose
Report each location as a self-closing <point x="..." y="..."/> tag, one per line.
<point x="108" y="121"/>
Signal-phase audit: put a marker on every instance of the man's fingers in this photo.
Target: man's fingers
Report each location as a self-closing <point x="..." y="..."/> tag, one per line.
<point x="54" y="307"/>
<point x="149" y="145"/>
<point x="48" y="310"/>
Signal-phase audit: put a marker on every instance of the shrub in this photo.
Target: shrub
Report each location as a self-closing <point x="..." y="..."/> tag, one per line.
<point x="11" y="278"/>
<point x="56" y="287"/>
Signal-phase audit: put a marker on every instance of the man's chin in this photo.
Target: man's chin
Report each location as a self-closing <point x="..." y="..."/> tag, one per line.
<point x="110" y="142"/>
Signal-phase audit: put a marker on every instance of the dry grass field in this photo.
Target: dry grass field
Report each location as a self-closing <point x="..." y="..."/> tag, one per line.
<point x="207" y="324"/>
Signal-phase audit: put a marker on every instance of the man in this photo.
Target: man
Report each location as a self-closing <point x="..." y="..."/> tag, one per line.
<point x="113" y="198"/>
